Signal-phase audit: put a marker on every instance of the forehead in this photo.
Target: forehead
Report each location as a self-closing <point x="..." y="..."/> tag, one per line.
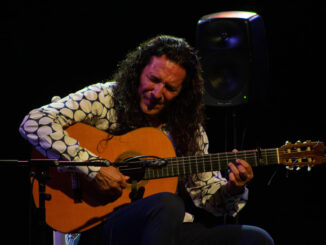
<point x="165" y="69"/>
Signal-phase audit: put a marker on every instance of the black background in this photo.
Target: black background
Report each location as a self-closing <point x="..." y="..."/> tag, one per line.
<point x="55" y="47"/>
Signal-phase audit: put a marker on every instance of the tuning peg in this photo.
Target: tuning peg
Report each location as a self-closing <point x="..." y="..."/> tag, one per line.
<point x="288" y="142"/>
<point x="289" y="167"/>
<point x="308" y="168"/>
<point x="298" y="168"/>
<point x="298" y="142"/>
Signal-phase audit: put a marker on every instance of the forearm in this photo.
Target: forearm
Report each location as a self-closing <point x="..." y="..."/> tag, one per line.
<point x="209" y="191"/>
<point x="44" y="127"/>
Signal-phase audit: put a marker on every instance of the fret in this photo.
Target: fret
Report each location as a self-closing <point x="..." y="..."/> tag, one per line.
<point x="164" y="168"/>
<point x="162" y="171"/>
<point x="168" y="167"/>
<point x="203" y="163"/>
<point x="172" y="170"/>
<point x="226" y="154"/>
<point x="266" y="157"/>
<point x="273" y="156"/>
<point x="219" y="161"/>
<point x="256" y="164"/>
<point x="264" y="154"/>
<point x="225" y="163"/>
<point x="152" y="171"/>
<point x="190" y="170"/>
<point x="183" y="165"/>
<point x="196" y="166"/>
<point x="147" y="174"/>
<point x="167" y="173"/>
<point x="177" y="166"/>
<point x="210" y="162"/>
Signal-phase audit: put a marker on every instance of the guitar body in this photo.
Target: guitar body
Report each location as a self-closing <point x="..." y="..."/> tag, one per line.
<point x="66" y="215"/>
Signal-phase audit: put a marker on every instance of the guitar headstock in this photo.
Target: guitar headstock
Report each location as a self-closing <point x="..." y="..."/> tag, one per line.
<point x="302" y="154"/>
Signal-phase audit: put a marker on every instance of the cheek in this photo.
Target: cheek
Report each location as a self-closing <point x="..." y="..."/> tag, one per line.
<point x="170" y="96"/>
<point x="144" y="87"/>
<point x="141" y="89"/>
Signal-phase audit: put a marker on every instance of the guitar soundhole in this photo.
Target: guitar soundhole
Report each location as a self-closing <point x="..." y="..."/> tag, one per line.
<point x="131" y="166"/>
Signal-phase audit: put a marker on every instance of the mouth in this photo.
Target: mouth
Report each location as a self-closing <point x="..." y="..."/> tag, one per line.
<point x="153" y="104"/>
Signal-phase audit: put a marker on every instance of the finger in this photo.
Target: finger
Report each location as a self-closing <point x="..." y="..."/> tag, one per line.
<point x="243" y="163"/>
<point x="232" y="178"/>
<point x="245" y="168"/>
<point x="240" y="174"/>
<point x="234" y="171"/>
<point x="126" y="177"/>
<point x="115" y="186"/>
<point x="124" y="183"/>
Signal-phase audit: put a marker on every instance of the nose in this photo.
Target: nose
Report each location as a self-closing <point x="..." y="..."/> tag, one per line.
<point x="157" y="92"/>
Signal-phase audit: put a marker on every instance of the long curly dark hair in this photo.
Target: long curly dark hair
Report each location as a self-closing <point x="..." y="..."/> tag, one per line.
<point x="185" y="113"/>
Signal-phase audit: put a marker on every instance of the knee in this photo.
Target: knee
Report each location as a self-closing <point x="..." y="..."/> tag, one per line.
<point x="170" y="204"/>
<point x="260" y="235"/>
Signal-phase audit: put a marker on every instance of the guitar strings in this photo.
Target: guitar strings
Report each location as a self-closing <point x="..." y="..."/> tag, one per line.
<point x="220" y="157"/>
<point x="187" y="161"/>
<point x="208" y="162"/>
<point x="230" y="156"/>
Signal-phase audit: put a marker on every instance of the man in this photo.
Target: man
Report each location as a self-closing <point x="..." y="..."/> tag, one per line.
<point x="159" y="84"/>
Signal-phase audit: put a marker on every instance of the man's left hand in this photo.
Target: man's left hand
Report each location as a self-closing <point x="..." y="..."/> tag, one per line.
<point x="240" y="174"/>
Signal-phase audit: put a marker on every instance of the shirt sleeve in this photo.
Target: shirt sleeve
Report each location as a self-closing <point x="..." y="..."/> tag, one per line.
<point x="44" y="127"/>
<point x="208" y="189"/>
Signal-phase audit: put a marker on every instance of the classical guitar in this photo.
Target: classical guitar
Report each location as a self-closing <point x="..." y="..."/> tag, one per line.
<point x="148" y="156"/>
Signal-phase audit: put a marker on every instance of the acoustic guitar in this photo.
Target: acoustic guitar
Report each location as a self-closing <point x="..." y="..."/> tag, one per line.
<point x="148" y="156"/>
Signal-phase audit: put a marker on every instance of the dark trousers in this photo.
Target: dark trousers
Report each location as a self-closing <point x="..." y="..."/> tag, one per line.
<point x="158" y="220"/>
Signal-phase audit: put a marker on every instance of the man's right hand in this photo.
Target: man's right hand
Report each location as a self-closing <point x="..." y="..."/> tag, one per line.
<point x="107" y="185"/>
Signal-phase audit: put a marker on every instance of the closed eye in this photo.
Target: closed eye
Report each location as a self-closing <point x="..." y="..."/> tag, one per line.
<point x="154" y="79"/>
<point x="170" y="88"/>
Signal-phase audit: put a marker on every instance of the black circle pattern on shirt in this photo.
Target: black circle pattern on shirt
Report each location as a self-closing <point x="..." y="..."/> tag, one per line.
<point x="43" y="127"/>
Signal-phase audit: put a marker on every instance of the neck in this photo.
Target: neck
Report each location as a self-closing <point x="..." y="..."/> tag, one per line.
<point x="154" y="121"/>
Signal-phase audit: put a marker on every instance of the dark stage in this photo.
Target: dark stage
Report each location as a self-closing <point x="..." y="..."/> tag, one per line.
<point x="57" y="47"/>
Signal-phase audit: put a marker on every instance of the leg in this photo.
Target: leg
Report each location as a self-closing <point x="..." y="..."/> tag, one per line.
<point x="154" y="220"/>
<point x="197" y="234"/>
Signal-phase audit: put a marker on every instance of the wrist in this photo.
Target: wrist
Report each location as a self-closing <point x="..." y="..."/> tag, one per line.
<point x="233" y="190"/>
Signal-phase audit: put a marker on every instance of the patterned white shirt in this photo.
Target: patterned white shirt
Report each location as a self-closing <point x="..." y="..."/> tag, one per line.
<point x="93" y="105"/>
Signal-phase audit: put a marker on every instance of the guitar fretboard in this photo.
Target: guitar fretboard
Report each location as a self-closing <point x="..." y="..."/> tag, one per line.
<point x="178" y="166"/>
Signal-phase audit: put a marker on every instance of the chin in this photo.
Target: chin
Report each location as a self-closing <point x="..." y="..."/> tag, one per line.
<point x="152" y="112"/>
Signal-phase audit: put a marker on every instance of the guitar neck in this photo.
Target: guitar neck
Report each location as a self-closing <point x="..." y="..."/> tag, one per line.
<point x="187" y="165"/>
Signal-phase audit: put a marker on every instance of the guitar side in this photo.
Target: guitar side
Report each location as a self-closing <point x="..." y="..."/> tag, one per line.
<point x="65" y="215"/>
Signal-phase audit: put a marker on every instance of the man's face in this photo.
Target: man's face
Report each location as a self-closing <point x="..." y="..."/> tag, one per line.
<point x="160" y="82"/>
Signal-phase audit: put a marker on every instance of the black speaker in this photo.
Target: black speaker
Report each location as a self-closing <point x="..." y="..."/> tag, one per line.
<point x="233" y="53"/>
